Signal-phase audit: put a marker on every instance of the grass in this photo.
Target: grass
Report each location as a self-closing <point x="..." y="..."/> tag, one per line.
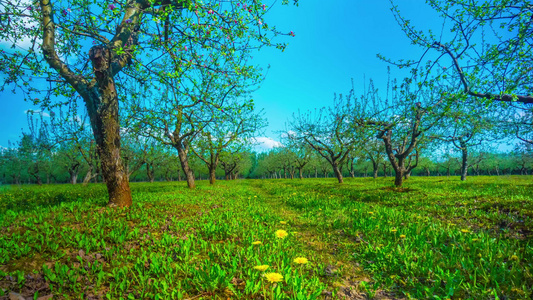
<point x="436" y="238"/>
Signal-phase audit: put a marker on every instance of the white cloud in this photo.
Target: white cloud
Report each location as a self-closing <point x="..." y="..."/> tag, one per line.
<point x="264" y="143"/>
<point x="288" y="133"/>
<point x="37" y="112"/>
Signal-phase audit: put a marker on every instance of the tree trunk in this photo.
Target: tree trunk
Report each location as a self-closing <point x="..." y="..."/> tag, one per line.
<point x="300" y="171"/>
<point x="189" y="174"/>
<point x="464" y="164"/>
<point x="73" y="176"/>
<point x="88" y="176"/>
<point x="212" y="174"/>
<point x="102" y="106"/>
<point x="375" y="171"/>
<point x="338" y="173"/>
<point x="384" y="171"/>
<point x="398" y="180"/>
<point x="150" y="171"/>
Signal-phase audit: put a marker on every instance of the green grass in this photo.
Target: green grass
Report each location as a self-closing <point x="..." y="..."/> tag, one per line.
<point x="436" y="238"/>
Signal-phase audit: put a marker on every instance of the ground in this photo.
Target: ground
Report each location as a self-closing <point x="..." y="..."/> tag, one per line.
<point x="435" y="238"/>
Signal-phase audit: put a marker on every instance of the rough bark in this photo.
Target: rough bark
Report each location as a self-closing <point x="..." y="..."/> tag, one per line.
<point x="338" y="173"/>
<point x="184" y="161"/>
<point x="212" y="174"/>
<point x="104" y="115"/>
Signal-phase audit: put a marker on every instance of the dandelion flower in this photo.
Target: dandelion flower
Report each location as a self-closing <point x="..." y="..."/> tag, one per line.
<point x="402" y="236"/>
<point x="394" y="230"/>
<point x="301" y="260"/>
<point x="274" y="277"/>
<point x="261" y="268"/>
<point x="280" y="234"/>
<point x="370" y="212"/>
<point x="257" y="243"/>
<point x="514" y="257"/>
<point x="283" y="222"/>
<point x="465" y="231"/>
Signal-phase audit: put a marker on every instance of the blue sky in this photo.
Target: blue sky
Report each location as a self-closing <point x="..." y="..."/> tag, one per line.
<point x="334" y="42"/>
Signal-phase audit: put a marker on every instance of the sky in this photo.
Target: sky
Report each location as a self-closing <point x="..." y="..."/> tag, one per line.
<point x="334" y="42"/>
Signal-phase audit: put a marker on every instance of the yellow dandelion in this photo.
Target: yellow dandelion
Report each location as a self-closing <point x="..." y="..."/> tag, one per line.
<point x="257" y="243"/>
<point x="394" y="230"/>
<point x="355" y="210"/>
<point x="320" y="209"/>
<point x="465" y="231"/>
<point x="261" y="268"/>
<point x="280" y="234"/>
<point x="479" y="255"/>
<point x="283" y="222"/>
<point x="475" y="240"/>
<point x="301" y="260"/>
<point x="514" y="257"/>
<point x="402" y="236"/>
<point x="274" y="277"/>
<point x="370" y="212"/>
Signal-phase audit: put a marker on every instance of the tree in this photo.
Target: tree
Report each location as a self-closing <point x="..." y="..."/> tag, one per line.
<point x="488" y="49"/>
<point x="231" y="126"/>
<point x="465" y="125"/>
<point x="126" y="38"/>
<point x="329" y="131"/>
<point x="374" y="151"/>
<point x="402" y="120"/>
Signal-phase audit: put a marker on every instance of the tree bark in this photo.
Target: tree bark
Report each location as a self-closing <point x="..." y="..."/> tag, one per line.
<point x="398" y="180"/>
<point x="102" y="106"/>
<point x="212" y="174"/>
<point x="73" y="176"/>
<point x="88" y="176"/>
<point x="464" y="164"/>
<point x="189" y="174"/>
<point x="338" y="173"/>
<point x="150" y="173"/>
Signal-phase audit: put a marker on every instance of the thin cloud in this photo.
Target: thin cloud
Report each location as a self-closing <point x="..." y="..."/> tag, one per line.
<point x="264" y="143"/>
<point x="37" y="112"/>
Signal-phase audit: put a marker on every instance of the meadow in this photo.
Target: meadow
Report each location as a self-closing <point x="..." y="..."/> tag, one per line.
<point x="434" y="238"/>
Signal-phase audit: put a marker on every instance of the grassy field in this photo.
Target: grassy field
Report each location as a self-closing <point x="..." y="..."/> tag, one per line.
<point x="436" y="238"/>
